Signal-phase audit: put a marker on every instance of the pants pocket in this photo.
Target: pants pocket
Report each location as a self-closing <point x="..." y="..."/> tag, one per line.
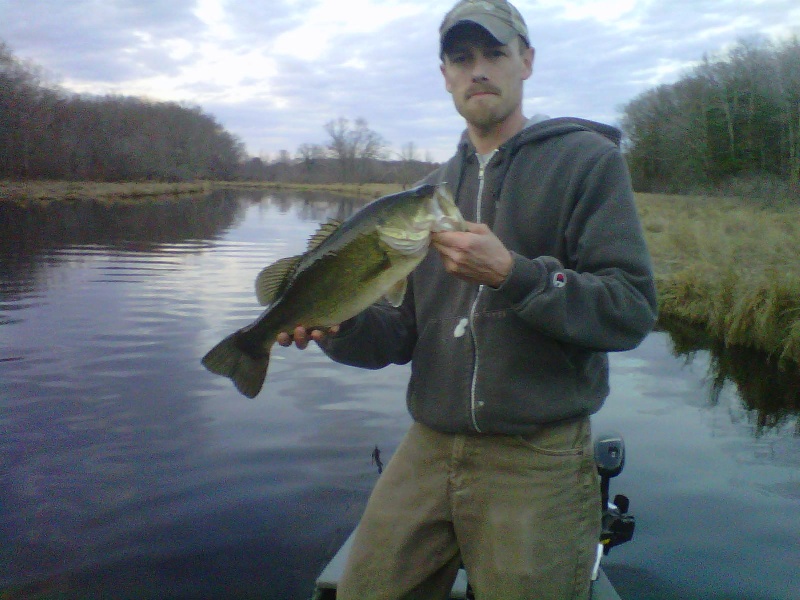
<point x="564" y="439"/>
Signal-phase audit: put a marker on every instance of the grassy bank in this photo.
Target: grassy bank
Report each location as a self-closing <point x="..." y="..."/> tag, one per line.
<point x="45" y="191"/>
<point x="726" y="265"/>
<point x="729" y="266"/>
<point x="364" y="190"/>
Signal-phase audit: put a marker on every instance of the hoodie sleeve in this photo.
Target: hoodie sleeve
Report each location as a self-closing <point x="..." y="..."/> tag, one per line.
<point x="606" y="299"/>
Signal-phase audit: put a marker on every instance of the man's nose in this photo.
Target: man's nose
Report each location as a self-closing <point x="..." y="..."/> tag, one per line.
<point x="479" y="70"/>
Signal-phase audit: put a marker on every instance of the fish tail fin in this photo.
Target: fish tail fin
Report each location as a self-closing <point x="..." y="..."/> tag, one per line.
<point x="245" y="370"/>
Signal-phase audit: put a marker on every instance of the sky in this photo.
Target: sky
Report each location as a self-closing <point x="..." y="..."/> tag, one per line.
<point x="274" y="72"/>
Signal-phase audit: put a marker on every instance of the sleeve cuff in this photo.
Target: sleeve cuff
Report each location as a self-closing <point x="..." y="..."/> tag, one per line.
<point x="526" y="277"/>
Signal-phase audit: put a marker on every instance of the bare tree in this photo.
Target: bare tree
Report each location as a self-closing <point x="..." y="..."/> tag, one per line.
<point x="310" y="157"/>
<point x="354" y="147"/>
<point x="408" y="160"/>
<point x="408" y="152"/>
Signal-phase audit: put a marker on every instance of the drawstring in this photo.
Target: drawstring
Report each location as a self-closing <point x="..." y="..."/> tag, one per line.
<point x="461" y="169"/>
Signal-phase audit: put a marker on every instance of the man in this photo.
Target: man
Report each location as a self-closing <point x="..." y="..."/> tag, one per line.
<point x="507" y="326"/>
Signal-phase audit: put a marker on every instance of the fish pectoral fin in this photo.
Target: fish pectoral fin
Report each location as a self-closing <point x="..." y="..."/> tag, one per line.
<point x="272" y="280"/>
<point x="396" y="293"/>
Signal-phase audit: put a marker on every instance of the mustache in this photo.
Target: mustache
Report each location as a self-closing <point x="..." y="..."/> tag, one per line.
<point x="482" y="88"/>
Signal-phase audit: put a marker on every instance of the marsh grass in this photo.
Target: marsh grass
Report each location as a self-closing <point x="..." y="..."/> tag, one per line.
<point x="46" y="191"/>
<point x="730" y="266"/>
<point x="356" y="190"/>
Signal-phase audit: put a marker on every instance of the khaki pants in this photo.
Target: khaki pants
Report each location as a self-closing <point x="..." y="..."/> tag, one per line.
<point x="523" y="513"/>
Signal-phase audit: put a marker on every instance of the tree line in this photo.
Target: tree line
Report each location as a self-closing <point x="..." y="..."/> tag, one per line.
<point x="353" y="153"/>
<point x="731" y="122"/>
<point x="48" y="133"/>
<point x="731" y="125"/>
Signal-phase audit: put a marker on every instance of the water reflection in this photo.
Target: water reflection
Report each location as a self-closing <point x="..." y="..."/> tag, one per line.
<point x="717" y="504"/>
<point x="767" y="387"/>
<point x="317" y="207"/>
<point x="30" y="228"/>
<point x="123" y="471"/>
<point x="35" y="227"/>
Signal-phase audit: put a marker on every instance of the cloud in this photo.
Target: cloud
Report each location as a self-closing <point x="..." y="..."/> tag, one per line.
<point x="592" y="65"/>
<point x="275" y="72"/>
<point x="105" y="41"/>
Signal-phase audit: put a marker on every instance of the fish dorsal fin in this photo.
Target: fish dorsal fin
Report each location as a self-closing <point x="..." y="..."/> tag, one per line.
<point x="272" y="280"/>
<point x="396" y="293"/>
<point x="323" y="233"/>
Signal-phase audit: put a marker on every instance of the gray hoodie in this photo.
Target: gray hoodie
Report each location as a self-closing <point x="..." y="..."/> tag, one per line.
<point x="533" y="351"/>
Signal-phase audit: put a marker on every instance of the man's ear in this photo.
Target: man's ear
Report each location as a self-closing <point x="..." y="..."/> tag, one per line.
<point x="443" y="69"/>
<point x="527" y="58"/>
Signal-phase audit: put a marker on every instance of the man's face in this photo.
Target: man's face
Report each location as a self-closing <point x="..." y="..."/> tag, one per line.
<point x="485" y="78"/>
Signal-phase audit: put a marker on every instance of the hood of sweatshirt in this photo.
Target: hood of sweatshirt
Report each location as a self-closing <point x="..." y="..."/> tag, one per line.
<point x="540" y="128"/>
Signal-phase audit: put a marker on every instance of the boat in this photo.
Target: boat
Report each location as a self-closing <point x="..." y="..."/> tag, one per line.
<point x="617" y="528"/>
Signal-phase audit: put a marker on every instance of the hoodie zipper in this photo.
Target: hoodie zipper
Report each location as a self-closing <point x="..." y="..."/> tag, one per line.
<point x="473" y="399"/>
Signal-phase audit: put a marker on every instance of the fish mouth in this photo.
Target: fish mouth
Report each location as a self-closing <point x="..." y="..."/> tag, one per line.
<point x="405" y="240"/>
<point x="411" y="234"/>
<point x="446" y="216"/>
<point x="447" y="223"/>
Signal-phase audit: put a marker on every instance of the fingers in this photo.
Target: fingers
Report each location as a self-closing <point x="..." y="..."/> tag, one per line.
<point x="477" y="227"/>
<point x="301" y="336"/>
<point x="456" y="238"/>
<point x="284" y="339"/>
<point x="477" y="255"/>
<point x="319" y="334"/>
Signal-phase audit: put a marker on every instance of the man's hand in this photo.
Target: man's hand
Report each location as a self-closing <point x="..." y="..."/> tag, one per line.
<point x="301" y="338"/>
<point x="476" y="255"/>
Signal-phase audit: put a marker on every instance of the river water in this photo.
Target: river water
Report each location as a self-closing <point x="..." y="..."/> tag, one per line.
<point x="129" y="471"/>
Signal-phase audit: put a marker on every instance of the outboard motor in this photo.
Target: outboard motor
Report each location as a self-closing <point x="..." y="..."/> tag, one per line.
<point x="617" y="524"/>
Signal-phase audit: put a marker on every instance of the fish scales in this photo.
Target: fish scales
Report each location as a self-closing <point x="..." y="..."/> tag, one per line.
<point x="323" y="293"/>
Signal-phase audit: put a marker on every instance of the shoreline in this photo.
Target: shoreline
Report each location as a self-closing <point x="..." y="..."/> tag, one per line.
<point x="725" y="265"/>
<point x="22" y="192"/>
<point x="42" y="191"/>
<point x="353" y="190"/>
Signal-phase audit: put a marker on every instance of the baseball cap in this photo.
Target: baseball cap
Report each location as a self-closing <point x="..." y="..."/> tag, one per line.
<point x="498" y="17"/>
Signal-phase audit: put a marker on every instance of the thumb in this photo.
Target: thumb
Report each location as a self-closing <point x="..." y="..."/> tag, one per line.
<point x="477" y="227"/>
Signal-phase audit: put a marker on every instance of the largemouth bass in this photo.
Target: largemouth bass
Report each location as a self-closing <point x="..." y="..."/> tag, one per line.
<point x="347" y="267"/>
